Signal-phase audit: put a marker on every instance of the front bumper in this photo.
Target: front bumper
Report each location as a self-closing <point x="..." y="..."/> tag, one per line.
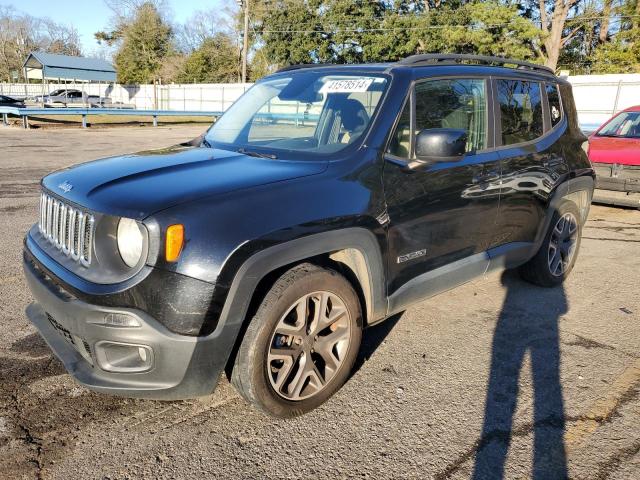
<point x="183" y="366"/>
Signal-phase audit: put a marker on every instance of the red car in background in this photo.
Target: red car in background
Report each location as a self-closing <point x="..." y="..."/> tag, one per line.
<point x="614" y="151"/>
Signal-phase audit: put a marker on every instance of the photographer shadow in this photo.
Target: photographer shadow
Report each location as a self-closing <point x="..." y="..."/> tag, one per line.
<point x="528" y="323"/>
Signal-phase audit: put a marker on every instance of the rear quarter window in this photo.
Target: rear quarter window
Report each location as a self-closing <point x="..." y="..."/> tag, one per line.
<point x="555" y="108"/>
<point x="521" y="111"/>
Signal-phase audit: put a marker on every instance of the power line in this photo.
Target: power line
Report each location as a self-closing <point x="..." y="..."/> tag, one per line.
<point x="413" y="15"/>
<point x="426" y="27"/>
<point x="428" y="12"/>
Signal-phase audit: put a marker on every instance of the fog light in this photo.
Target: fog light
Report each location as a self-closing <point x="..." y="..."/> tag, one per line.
<point x="123" y="357"/>
<point x="142" y="352"/>
<point x="117" y="320"/>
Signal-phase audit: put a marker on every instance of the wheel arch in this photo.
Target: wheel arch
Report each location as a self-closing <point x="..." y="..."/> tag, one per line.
<point x="578" y="190"/>
<point x="354" y="251"/>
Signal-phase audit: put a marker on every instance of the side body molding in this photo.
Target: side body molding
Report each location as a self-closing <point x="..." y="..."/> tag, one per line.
<point x="438" y="280"/>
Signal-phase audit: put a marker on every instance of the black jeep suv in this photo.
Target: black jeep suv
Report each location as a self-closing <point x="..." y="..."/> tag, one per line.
<point x="326" y="199"/>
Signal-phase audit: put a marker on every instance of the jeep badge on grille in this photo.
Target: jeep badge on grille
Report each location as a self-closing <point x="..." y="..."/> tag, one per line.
<point x="65" y="186"/>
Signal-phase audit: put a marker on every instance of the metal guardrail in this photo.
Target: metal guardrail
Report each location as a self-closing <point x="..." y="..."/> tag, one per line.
<point x="25" y="113"/>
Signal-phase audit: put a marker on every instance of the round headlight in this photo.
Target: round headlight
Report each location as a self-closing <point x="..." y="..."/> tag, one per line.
<point x="130" y="241"/>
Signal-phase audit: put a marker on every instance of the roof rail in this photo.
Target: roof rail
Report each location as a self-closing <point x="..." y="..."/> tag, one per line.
<point x="304" y="65"/>
<point x="452" y="58"/>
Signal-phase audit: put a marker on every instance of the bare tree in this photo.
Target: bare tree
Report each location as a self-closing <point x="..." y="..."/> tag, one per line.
<point x="204" y="24"/>
<point x="553" y="20"/>
<point x="21" y="34"/>
<point x="124" y="10"/>
<point x="604" y="25"/>
<point x="57" y="38"/>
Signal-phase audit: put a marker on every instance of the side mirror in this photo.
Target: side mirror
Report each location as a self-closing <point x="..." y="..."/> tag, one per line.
<point x="441" y="145"/>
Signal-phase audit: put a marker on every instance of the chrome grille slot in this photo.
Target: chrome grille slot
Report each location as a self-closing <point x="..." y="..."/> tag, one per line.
<point x="67" y="228"/>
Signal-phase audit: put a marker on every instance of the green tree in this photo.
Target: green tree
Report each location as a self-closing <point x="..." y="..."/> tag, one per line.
<point x="292" y="32"/>
<point x="356" y="29"/>
<point x="621" y="54"/>
<point x="346" y="31"/>
<point x="259" y="66"/>
<point x="146" y="41"/>
<point x="483" y="28"/>
<point x="215" y="61"/>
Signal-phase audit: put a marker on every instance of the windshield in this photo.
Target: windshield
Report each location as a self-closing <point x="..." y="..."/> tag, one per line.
<point x="305" y="112"/>
<point x="624" y="125"/>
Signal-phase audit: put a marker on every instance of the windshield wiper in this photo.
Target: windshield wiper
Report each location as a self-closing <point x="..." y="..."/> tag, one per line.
<point x="206" y="143"/>
<point x="244" y="151"/>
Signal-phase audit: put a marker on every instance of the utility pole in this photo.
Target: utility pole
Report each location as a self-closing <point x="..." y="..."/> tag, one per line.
<point x="244" y="4"/>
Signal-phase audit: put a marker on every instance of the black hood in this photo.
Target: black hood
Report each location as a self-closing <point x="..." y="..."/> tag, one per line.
<point x="138" y="185"/>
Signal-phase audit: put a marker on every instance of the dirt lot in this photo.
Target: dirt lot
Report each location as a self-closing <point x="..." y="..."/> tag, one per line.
<point x="494" y="375"/>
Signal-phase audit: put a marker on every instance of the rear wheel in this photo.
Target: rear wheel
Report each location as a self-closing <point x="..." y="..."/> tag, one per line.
<point x="559" y="250"/>
<point x="301" y="345"/>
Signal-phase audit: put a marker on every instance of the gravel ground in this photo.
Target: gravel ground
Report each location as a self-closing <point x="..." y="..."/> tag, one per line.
<point x="495" y="376"/>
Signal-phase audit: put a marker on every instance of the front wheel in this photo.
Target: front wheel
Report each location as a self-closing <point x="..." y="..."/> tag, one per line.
<point x="301" y="344"/>
<point x="559" y="250"/>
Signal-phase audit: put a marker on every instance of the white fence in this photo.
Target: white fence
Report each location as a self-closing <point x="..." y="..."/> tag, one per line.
<point x="203" y="97"/>
<point x="597" y="96"/>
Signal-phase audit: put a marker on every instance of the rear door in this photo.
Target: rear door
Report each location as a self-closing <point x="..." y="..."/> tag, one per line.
<point x="532" y="161"/>
<point x="441" y="213"/>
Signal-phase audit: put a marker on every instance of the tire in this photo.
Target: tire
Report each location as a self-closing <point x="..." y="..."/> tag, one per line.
<point x="544" y="269"/>
<point x="287" y="363"/>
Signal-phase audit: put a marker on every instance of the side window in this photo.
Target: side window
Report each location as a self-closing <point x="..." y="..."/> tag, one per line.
<point x="400" y="144"/>
<point x="454" y="103"/>
<point x="555" y="109"/>
<point x="521" y="110"/>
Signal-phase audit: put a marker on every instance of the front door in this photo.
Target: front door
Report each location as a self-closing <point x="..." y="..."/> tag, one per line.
<point x="442" y="215"/>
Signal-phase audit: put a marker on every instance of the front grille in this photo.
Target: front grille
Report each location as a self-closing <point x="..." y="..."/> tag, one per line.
<point x="69" y="229"/>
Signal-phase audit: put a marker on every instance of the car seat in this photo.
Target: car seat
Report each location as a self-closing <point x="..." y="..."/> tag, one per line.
<point x="351" y="119"/>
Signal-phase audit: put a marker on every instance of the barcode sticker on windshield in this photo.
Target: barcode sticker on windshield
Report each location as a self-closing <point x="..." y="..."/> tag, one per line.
<point x="347" y="86"/>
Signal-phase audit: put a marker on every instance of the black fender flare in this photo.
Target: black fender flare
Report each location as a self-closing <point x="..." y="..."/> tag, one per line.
<point x="578" y="190"/>
<point x="260" y="264"/>
<point x="213" y="351"/>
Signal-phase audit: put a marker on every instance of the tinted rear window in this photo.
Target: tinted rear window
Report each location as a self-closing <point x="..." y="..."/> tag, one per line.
<point x="521" y="110"/>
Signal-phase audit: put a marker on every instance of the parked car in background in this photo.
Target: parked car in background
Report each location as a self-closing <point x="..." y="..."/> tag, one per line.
<point x="56" y="93"/>
<point x="614" y="151"/>
<point x="6" y="101"/>
<point x="65" y="97"/>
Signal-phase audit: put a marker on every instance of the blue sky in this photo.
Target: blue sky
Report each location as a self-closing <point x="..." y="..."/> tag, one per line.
<point x="90" y="16"/>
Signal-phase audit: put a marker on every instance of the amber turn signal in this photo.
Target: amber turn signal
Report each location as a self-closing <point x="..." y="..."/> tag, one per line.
<point x="175" y="241"/>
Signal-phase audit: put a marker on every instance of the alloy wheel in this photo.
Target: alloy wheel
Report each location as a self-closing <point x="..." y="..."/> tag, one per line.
<point x="562" y="244"/>
<point x="309" y="345"/>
